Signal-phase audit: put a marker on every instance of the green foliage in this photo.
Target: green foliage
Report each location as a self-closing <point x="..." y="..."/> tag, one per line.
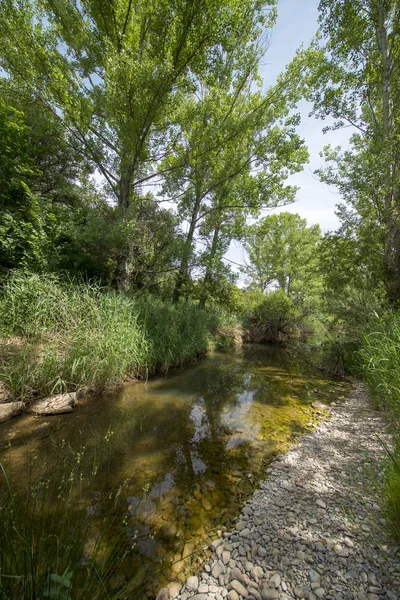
<point x="378" y="359"/>
<point x="21" y="213"/>
<point x="63" y="336"/>
<point x="73" y="336"/>
<point x="283" y="252"/>
<point x="90" y="242"/>
<point x="353" y="75"/>
<point x="177" y="333"/>
<point x="274" y="318"/>
<point x="225" y="136"/>
<point x="59" y="587"/>
<point x="117" y="75"/>
<point x="392" y="491"/>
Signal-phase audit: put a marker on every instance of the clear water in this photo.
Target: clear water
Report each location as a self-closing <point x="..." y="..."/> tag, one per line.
<point x="193" y="445"/>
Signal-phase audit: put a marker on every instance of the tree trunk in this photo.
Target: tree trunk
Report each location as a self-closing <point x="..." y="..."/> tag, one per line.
<point x="187" y="251"/>
<point x="391" y="192"/>
<point x="209" y="269"/>
<point x="122" y="271"/>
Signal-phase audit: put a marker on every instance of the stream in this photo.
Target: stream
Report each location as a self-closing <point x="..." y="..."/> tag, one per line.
<point x="190" y="447"/>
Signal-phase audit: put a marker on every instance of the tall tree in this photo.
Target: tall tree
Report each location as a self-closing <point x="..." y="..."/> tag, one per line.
<point x="354" y="72"/>
<point x="113" y="72"/>
<point x="283" y="252"/>
<point x="236" y="150"/>
<point x="21" y="213"/>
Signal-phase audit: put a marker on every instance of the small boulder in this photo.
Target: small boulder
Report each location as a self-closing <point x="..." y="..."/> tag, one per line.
<point x="269" y="594"/>
<point x="174" y="589"/>
<point x="162" y="594"/>
<point x="217" y="570"/>
<point x="192" y="583"/>
<point x="275" y="581"/>
<point x="9" y="410"/>
<point x="239" y="588"/>
<point x="56" y="405"/>
<point x="314" y="576"/>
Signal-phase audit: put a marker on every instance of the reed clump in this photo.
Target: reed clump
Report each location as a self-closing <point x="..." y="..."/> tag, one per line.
<point x="60" y="336"/>
<point x="378" y="360"/>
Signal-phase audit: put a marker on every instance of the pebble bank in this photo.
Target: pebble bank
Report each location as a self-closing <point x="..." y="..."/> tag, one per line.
<point x="313" y="530"/>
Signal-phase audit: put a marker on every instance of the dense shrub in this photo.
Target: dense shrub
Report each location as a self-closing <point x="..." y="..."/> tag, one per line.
<point x="379" y="360"/>
<point x="274" y="318"/>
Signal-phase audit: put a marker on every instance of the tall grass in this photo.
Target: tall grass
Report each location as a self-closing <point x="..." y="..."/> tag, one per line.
<point x="62" y="537"/>
<point x="57" y="337"/>
<point x="378" y="360"/>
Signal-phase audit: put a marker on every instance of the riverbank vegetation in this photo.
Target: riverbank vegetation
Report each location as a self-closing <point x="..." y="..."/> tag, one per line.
<point x="138" y="143"/>
<point x="59" y="336"/>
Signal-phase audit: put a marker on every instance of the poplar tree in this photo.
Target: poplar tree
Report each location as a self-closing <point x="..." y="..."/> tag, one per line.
<point x="353" y="75"/>
<point x="113" y="73"/>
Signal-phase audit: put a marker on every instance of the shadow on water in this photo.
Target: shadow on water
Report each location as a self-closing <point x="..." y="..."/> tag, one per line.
<point x="193" y="444"/>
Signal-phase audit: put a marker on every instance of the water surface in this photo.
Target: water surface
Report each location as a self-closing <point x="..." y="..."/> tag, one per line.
<point x="192" y="445"/>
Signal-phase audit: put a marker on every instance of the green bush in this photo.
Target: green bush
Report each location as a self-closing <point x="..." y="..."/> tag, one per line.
<point x="274" y="318"/>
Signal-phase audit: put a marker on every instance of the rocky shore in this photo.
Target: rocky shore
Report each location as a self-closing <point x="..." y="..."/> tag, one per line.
<point x="314" y="529"/>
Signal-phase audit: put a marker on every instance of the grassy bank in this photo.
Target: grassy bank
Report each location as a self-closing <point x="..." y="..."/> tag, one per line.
<point x="57" y="337"/>
<point x="378" y="361"/>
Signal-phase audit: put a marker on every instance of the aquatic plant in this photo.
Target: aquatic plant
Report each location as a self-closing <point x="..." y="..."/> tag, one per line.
<point x="60" y="537"/>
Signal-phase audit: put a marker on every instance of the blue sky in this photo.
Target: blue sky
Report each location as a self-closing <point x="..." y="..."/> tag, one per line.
<point x="296" y="25"/>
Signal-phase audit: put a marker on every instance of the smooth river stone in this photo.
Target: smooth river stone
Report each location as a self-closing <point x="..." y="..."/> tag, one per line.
<point x="174" y="588"/>
<point x="192" y="583"/>
<point x="163" y="594"/>
<point x="257" y="572"/>
<point x="10" y="409"/>
<point x="314" y="576"/>
<point x="217" y="570"/>
<point x="239" y="588"/>
<point x="269" y="594"/>
<point x="275" y="581"/>
<point x="246" y="533"/>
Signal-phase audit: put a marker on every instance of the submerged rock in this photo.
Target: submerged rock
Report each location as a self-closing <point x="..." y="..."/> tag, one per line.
<point x="56" y="405"/>
<point x="173" y="589"/>
<point x="163" y="594"/>
<point x="10" y="409"/>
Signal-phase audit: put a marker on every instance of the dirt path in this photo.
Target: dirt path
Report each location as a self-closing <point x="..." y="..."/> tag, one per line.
<point x="313" y="529"/>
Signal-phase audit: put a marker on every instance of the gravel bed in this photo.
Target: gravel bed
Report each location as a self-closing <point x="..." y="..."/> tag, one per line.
<point x="313" y="529"/>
